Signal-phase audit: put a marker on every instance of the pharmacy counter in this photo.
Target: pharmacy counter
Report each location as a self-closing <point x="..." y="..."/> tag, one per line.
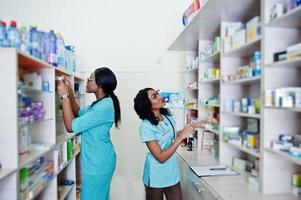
<point x="216" y="187"/>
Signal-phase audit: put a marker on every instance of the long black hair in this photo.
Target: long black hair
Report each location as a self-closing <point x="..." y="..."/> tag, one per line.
<point x="106" y="80"/>
<point x="143" y="107"/>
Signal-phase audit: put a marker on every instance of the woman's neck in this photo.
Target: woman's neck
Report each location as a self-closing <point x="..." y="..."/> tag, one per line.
<point x="158" y="114"/>
<point x="99" y="95"/>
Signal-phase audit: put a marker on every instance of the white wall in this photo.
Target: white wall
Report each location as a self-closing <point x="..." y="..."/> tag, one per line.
<point x="131" y="37"/>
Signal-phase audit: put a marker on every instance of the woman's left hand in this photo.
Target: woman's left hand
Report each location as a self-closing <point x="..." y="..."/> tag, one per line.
<point x="199" y="124"/>
<point x="62" y="88"/>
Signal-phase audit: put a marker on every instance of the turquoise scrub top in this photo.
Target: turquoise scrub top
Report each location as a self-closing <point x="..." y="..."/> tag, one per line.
<point x="156" y="174"/>
<point x="98" y="155"/>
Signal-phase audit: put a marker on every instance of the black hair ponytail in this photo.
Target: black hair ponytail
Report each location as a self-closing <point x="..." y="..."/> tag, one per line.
<point x="106" y="80"/>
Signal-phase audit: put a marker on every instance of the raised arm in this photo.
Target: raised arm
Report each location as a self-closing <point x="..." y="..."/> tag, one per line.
<point x="163" y="155"/>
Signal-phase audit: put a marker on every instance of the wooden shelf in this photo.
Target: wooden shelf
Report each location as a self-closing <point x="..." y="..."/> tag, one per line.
<point x="244" y="149"/>
<point x="245" y="50"/>
<point x="257" y="116"/>
<point x="207" y="18"/>
<point x="29" y="62"/>
<point x="4" y="172"/>
<point x="78" y="78"/>
<point x="213" y="58"/>
<point x="293" y="63"/>
<point x="214" y="81"/>
<point x="246" y="81"/>
<point x="288" y="20"/>
<point x="285" y="155"/>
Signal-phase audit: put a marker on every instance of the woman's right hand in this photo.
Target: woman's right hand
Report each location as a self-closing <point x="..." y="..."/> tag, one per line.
<point x="67" y="82"/>
<point x="186" y="131"/>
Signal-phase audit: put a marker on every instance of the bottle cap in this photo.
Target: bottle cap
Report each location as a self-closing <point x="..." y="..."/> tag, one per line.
<point x="13" y="23"/>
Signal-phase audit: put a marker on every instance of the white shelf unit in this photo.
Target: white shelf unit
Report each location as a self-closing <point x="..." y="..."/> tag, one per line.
<point x="244" y="149"/>
<point x="278" y="34"/>
<point x="190" y="76"/>
<point x="238" y="89"/>
<point x="45" y="132"/>
<point x="275" y="167"/>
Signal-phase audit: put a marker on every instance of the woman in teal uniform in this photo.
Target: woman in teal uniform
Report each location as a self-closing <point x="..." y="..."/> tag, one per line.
<point x="158" y="131"/>
<point x="98" y="158"/>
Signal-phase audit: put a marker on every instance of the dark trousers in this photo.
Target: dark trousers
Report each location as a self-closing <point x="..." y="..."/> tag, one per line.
<point x="171" y="193"/>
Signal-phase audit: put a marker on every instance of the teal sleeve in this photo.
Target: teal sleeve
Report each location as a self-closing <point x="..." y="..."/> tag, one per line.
<point x="82" y="110"/>
<point x="97" y="115"/>
<point x="146" y="133"/>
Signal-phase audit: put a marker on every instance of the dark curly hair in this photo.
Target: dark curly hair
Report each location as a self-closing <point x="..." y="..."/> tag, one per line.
<point x="143" y="107"/>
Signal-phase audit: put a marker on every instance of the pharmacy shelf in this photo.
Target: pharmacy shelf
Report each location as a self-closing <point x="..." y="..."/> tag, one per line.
<point x="192" y="70"/>
<point x="29" y="62"/>
<point x="4" y="172"/>
<point x="244" y="149"/>
<point x="31" y="90"/>
<point x="245" y="50"/>
<point x="34" y="123"/>
<point x="33" y="194"/>
<point x="65" y="137"/>
<point x="191" y="89"/>
<point x="65" y="191"/>
<point x="290" y="19"/>
<point x="212" y="131"/>
<point x="245" y="81"/>
<point x="33" y="155"/>
<point x="211" y="105"/>
<point x="213" y="81"/>
<point x="293" y="63"/>
<point x="44" y="184"/>
<point x="280" y="108"/>
<point x="207" y="18"/>
<point x="213" y="58"/>
<point x="285" y="155"/>
<point x="256" y="116"/>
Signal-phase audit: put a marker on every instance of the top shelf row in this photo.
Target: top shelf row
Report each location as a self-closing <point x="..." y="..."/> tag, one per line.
<point x="213" y="12"/>
<point x="30" y="62"/>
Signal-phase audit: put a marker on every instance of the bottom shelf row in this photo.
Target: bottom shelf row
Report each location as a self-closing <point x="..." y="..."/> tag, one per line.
<point x="53" y="172"/>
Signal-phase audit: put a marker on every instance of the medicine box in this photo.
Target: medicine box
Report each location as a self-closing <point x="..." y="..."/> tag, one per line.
<point x="239" y="38"/>
<point x="253" y="29"/>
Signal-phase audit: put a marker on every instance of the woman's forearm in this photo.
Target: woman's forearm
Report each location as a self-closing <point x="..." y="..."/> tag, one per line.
<point x="74" y="105"/>
<point x="67" y="114"/>
<point x="163" y="155"/>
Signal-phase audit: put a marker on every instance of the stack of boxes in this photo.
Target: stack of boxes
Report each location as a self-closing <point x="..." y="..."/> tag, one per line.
<point x="238" y="34"/>
<point x="286" y="97"/>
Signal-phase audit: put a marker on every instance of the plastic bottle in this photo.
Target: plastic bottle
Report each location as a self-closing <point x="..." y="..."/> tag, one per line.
<point x="13" y="35"/>
<point x="3" y="41"/>
<point x="70" y="56"/>
<point x="60" y="51"/>
<point x="24" y="39"/>
<point x="52" y="54"/>
<point x="257" y="61"/>
<point x="45" y="45"/>
<point x="33" y="42"/>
